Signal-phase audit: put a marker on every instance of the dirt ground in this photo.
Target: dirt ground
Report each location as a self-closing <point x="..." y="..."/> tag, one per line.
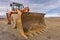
<point x="8" y="33"/>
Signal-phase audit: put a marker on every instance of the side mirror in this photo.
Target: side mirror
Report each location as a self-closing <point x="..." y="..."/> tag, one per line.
<point x="10" y="4"/>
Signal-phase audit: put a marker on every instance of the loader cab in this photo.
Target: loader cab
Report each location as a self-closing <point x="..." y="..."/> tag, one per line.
<point x="16" y="6"/>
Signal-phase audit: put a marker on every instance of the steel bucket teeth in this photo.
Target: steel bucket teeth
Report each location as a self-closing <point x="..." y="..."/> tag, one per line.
<point x="29" y="34"/>
<point x="45" y="29"/>
<point x="35" y="33"/>
<point x="38" y="32"/>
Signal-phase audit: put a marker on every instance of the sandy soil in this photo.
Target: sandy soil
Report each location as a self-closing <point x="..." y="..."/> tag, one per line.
<point x="8" y="33"/>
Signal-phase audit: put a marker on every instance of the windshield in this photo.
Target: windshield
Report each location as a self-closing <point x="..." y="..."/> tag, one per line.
<point x="18" y="7"/>
<point x="15" y="7"/>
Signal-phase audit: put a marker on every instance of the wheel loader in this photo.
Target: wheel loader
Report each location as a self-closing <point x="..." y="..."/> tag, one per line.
<point x="27" y="23"/>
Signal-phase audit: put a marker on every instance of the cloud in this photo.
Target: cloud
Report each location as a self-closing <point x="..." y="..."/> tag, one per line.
<point x="4" y="8"/>
<point x="2" y="13"/>
<point x="21" y="1"/>
<point x="4" y="5"/>
<point x="45" y="6"/>
<point x="4" y="0"/>
<point x="52" y="15"/>
<point x="35" y="6"/>
<point x="40" y="5"/>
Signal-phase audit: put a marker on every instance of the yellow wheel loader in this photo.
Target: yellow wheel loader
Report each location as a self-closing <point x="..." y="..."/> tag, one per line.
<point x="27" y="23"/>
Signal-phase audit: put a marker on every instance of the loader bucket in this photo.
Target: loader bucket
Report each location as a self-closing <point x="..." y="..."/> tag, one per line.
<point x="29" y="24"/>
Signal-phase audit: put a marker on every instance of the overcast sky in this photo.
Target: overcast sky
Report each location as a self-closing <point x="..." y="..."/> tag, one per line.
<point x="50" y="7"/>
